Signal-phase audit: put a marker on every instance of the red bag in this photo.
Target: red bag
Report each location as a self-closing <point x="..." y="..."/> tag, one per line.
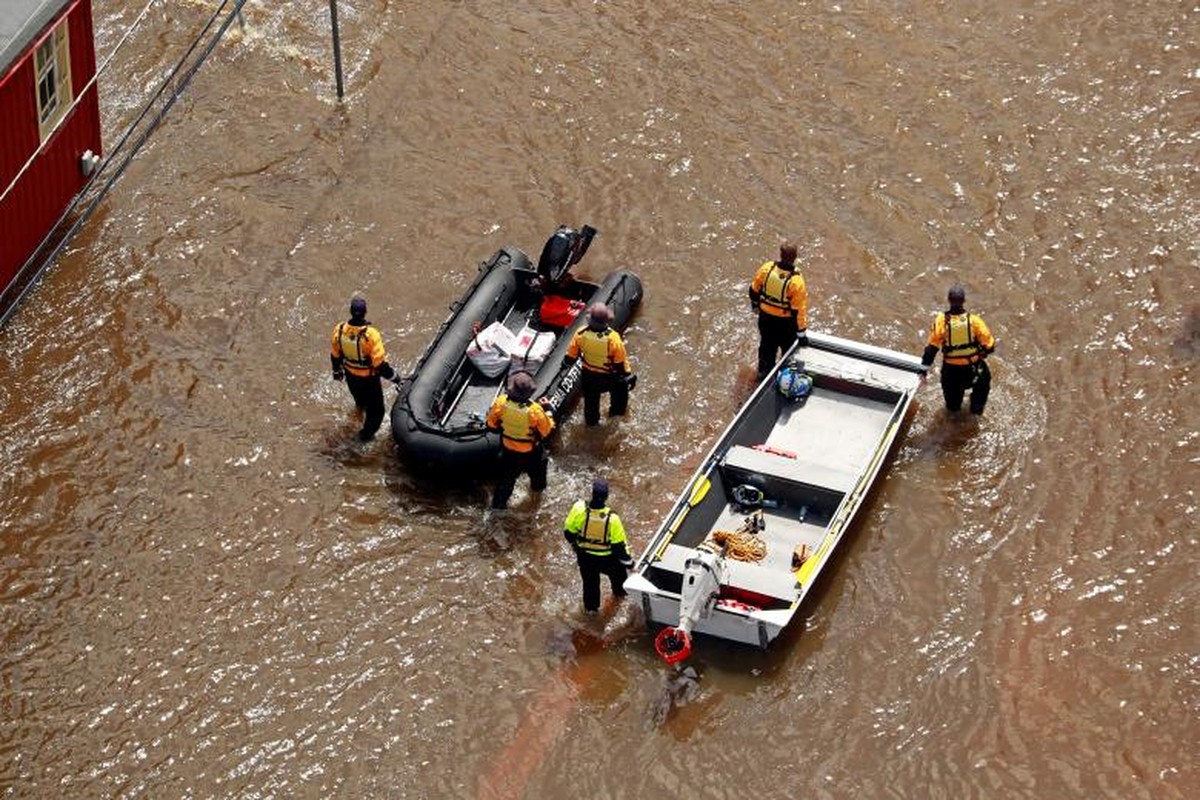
<point x="559" y="311"/>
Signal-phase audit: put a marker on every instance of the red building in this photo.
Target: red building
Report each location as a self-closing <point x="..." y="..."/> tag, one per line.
<point x="49" y="120"/>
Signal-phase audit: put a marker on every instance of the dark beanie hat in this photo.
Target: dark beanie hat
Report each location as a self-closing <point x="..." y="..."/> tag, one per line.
<point x="600" y="489"/>
<point x="358" y="307"/>
<point x="521" y="386"/>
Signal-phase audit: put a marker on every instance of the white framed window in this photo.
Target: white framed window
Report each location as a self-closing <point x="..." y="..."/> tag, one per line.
<point x="52" y="67"/>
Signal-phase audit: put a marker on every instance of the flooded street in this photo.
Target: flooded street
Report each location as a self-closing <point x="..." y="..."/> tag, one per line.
<point x="209" y="589"/>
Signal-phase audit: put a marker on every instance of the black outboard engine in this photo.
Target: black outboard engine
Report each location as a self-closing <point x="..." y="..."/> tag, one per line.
<point x="563" y="250"/>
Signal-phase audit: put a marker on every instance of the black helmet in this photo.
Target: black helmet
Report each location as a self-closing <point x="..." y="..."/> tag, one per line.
<point x="358" y="307"/>
<point x="957" y="294"/>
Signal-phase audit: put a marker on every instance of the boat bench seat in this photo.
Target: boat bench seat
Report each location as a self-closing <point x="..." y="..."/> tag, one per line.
<point x="747" y="459"/>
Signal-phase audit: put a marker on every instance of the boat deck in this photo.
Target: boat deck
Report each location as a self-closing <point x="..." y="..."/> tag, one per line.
<point x="833" y="431"/>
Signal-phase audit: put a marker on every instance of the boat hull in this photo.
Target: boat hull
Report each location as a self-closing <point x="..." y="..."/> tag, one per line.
<point x="810" y="464"/>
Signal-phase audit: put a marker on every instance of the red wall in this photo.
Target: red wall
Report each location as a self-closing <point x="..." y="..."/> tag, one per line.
<point x="37" y="201"/>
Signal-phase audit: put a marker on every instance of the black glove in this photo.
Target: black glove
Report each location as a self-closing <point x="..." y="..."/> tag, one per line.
<point x="627" y="562"/>
<point x="630" y="381"/>
<point x="338" y="375"/>
<point x="802" y="337"/>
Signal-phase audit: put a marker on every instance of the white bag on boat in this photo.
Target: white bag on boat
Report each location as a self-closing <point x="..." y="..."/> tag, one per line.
<point x="491" y="349"/>
<point x="531" y="348"/>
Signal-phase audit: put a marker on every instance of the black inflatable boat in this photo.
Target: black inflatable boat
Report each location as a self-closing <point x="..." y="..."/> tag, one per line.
<point x="438" y="418"/>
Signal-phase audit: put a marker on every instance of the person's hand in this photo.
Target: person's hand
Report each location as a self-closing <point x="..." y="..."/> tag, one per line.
<point x="396" y="379"/>
<point x="338" y="374"/>
<point x="630" y="381"/>
<point x="627" y="562"/>
<point x="802" y="337"/>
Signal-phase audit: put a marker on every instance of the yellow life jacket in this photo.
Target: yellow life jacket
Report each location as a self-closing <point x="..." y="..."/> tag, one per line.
<point x="515" y="425"/>
<point x="593" y="347"/>
<point x="350" y="342"/>
<point x="594" y="536"/>
<point x="959" y="345"/>
<point x="774" y="291"/>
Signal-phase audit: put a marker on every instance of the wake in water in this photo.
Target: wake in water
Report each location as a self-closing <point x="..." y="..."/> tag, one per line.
<point x="680" y="687"/>
<point x="580" y="643"/>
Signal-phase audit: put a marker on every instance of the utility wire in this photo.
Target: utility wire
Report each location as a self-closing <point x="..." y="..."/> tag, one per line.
<point x="119" y="156"/>
<point x="79" y="96"/>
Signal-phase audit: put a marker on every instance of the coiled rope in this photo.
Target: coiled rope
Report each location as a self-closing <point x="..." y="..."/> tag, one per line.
<point x="743" y="544"/>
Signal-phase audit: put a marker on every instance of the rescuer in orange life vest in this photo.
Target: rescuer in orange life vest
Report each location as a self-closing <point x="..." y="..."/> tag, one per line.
<point x="605" y="365"/>
<point x="357" y="355"/>
<point x="965" y="342"/>
<point x="523" y="425"/>
<point x="598" y="539"/>
<point x="780" y="297"/>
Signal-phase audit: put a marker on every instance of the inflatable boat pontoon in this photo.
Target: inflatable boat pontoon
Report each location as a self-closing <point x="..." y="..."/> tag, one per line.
<point x="438" y="416"/>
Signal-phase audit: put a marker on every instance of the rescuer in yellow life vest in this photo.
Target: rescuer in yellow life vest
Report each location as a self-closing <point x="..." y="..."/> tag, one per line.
<point x="780" y="297"/>
<point x="598" y="538"/>
<point x="523" y="425"/>
<point x="357" y="356"/>
<point x="605" y="365"/>
<point x="965" y="343"/>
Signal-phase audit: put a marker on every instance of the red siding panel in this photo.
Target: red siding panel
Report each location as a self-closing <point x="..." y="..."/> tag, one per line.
<point x="38" y="199"/>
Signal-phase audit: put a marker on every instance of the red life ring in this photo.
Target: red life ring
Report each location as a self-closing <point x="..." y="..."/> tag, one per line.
<point x="673" y="645"/>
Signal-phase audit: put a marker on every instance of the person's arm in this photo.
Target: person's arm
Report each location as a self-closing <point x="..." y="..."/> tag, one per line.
<point x="987" y="342"/>
<point x="798" y="290"/>
<point x="617" y="354"/>
<point x="574" y="523"/>
<point x="379" y="355"/>
<point x="935" y="341"/>
<point x="335" y="354"/>
<point x="620" y="549"/>
<point x="493" y="417"/>
<point x="572" y="349"/>
<point x="756" y="285"/>
<point x="542" y="422"/>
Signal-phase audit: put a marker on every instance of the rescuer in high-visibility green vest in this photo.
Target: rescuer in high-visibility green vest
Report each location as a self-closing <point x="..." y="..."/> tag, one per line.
<point x="598" y="538"/>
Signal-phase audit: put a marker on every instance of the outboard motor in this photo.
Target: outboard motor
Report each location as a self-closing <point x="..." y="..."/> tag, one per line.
<point x="701" y="586"/>
<point x="563" y="250"/>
